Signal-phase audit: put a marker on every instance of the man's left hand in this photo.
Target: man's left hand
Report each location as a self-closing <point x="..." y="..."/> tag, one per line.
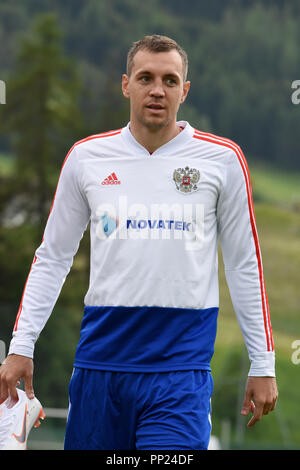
<point x="260" y="397"/>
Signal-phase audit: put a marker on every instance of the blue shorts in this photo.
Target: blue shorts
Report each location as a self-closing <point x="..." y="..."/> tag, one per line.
<point x="139" y="411"/>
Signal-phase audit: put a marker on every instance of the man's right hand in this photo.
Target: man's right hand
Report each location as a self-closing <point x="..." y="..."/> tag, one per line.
<point x="14" y="369"/>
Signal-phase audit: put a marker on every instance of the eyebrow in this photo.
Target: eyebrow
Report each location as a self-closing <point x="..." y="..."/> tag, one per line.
<point x="168" y="74"/>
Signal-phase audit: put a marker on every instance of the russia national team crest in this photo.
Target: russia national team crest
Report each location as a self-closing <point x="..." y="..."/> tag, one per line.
<point x="186" y="179"/>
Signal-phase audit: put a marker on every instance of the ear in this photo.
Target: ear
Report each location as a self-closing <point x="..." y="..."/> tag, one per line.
<point x="125" y="82"/>
<point x="186" y="88"/>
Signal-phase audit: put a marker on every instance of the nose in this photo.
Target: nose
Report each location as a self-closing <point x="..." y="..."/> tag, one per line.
<point x="157" y="90"/>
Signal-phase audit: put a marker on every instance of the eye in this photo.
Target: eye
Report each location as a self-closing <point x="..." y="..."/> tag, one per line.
<point x="171" y="81"/>
<point x="144" y="79"/>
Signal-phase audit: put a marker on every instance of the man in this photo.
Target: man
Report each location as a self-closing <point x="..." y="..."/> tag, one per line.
<point x="158" y="194"/>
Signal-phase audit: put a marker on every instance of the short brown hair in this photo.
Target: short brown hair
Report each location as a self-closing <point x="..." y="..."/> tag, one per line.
<point x="157" y="43"/>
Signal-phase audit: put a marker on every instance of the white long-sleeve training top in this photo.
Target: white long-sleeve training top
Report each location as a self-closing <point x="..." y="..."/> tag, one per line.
<point x="155" y="220"/>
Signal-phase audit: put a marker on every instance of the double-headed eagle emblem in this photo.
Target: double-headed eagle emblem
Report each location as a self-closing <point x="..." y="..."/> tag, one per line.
<point x="186" y="179"/>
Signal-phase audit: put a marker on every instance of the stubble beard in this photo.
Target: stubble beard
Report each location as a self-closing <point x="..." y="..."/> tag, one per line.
<point x="152" y="126"/>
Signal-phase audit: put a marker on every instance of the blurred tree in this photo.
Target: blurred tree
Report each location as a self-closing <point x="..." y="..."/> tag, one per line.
<point x="41" y="115"/>
<point x="243" y="59"/>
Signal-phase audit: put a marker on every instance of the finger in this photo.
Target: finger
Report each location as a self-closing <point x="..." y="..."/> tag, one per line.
<point x="12" y="391"/>
<point x="3" y="392"/>
<point x="257" y="414"/>
<point x="274" y="402"/>
<point x="270" y="403"/>
<point x="28" y="387"/>
<point x="269" y="407"/>
<point x="255" y="418"/>
<point x="266" y="410"/>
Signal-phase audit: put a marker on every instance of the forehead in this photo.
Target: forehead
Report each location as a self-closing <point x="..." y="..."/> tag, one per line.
<point x="163" y="63"/>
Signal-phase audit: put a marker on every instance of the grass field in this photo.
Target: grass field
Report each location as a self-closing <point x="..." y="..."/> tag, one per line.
<point x="275" y="186"/>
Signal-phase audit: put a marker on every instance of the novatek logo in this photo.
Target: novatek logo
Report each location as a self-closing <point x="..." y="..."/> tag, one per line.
<point x="111" y="179"/>
<point x="159" y="224"/>
<point x="163" y="221"/>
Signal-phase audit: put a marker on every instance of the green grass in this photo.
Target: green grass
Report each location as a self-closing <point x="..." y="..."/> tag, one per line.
<point x="275" y="186"/>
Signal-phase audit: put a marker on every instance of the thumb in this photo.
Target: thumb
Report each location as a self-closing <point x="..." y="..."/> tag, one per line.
<point x="28" y="387"/>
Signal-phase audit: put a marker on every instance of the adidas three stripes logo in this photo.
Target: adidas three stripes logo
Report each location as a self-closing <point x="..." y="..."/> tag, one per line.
<point x="111" y="179"/>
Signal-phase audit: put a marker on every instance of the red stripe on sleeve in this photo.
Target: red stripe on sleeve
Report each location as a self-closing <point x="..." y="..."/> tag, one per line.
<point x="265" y="305"/>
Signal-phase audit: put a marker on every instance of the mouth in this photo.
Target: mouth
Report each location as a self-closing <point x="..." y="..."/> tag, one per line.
<point x="155" y="107"/>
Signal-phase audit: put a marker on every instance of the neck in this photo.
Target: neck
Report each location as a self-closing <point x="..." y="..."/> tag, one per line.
<point x="153" y="138"/>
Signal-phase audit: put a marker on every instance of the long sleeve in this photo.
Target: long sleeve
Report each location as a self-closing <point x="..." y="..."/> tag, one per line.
<point x="68" y="219"/>
<point x="243" y="264"/>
